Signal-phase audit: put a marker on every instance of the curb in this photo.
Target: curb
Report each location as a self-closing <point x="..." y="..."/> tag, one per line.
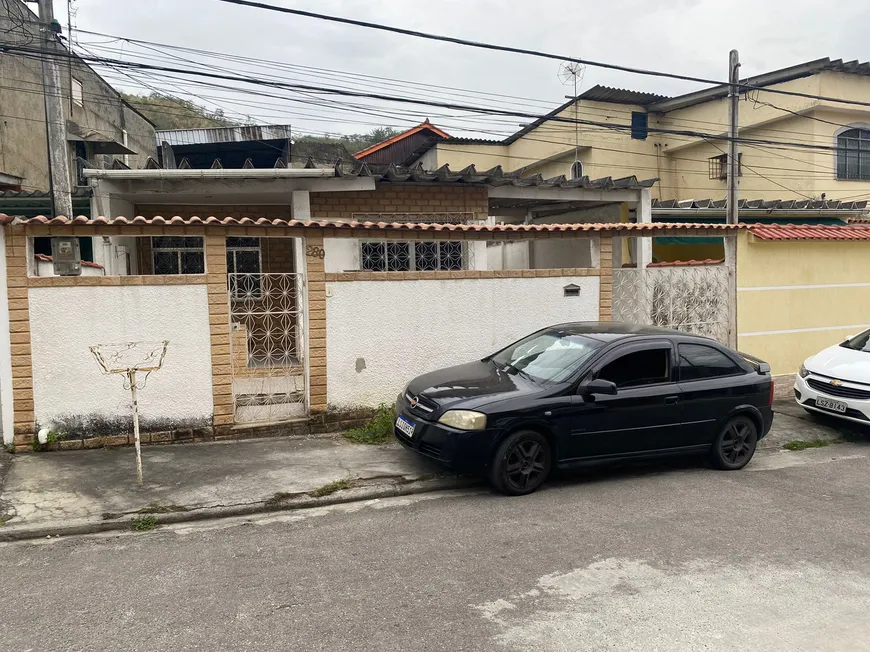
<point x="303" y="501"/>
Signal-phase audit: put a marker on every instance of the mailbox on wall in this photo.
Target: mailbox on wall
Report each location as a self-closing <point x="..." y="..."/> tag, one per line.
<point x="67" y="256"/>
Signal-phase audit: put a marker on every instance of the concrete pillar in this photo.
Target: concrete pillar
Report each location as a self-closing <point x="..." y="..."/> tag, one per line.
<point x="643" y="213"/>
<point x="300" y="205"/>
<point x="595" y="252"/>
<point x="731" y="266"/>
<point x="6" y="397"/>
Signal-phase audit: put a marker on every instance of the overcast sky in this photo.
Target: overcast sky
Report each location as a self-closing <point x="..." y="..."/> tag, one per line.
<point x="687" y="36"/>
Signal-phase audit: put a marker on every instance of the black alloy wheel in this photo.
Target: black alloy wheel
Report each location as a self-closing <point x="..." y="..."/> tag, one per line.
<point x="521" y="464"/>
<point x="735" y="445"/>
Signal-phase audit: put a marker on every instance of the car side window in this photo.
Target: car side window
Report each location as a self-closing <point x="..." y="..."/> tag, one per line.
<point x="698" y="362"/>
<point x="638" y="368"/>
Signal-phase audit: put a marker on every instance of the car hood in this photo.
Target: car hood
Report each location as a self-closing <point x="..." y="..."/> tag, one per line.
<point x="842" y="363"/>
<point x="470" y="385"/>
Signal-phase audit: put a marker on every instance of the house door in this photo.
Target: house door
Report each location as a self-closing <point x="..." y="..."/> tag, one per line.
<point x="266" y="330"/>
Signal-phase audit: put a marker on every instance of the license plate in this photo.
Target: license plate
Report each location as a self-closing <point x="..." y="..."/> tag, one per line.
<point x="405" y="426"/>
<point x="828" y="404"/>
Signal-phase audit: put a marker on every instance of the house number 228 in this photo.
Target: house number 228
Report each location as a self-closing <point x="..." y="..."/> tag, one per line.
<point x="315" y="252"/>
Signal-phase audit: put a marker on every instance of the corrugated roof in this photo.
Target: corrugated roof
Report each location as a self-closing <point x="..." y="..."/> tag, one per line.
<point x="810" y="232"/>
<point x="780" y="76"/>
<point x="597" y="93"/>
<point x="80" y="191"/>
<point x="223" y="134"/>
<point x="423" y="126"/>
<point x="600" y="93"/>
<point x="492" y="177"/>
<point x="761" y="204"/>
<point x="629" y="227"/>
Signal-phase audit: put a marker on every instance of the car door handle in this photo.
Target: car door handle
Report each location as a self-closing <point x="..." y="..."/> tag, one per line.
<point x="671" y="400"/>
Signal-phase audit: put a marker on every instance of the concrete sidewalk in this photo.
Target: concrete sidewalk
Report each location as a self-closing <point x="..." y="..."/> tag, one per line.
<point x="91" y="490"/>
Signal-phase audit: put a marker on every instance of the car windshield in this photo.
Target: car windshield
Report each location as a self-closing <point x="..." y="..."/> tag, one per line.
<point x="548" y="356"/>
<point x="859" y="342"/>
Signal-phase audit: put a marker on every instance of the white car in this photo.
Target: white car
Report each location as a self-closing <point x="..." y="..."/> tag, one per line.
<point x="836" y="381"/>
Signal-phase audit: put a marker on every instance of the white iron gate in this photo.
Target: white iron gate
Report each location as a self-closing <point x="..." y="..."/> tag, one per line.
<point x="266" y="346"/>
<point x="691" y="299"/>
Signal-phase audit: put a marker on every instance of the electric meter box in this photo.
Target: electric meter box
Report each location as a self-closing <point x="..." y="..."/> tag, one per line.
<point x="67" y="256"/>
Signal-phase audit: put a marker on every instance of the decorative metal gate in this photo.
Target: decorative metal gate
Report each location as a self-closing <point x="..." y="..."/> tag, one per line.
<point x="267" y="347"/>
<point x="690" y="299"/>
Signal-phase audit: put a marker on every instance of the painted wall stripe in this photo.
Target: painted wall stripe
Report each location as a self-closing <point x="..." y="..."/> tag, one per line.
<point x="855" y="327"/>
<point x="764" y="288"/>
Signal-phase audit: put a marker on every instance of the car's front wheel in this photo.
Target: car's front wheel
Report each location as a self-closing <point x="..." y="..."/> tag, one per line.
<point x="521" y="463"/>
<point x="736" y="443"/>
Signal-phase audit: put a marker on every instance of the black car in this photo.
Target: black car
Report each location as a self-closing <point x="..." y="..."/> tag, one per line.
<point x="582" y="393"/>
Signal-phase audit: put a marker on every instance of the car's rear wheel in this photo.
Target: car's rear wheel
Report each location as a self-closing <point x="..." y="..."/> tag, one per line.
<point x="736" y="443"/>
<point x="521" y="463"/>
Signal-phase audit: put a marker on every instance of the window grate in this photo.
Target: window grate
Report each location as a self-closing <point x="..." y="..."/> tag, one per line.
<point x="853" y="155"/>
<point x="424" y="256"/>
<point x="244" y="264"/>
<point x="177" y="255"/>
<point x="719" y="166"/>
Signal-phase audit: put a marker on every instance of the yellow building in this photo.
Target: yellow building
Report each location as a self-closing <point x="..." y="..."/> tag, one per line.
<point x="827" y="156"/>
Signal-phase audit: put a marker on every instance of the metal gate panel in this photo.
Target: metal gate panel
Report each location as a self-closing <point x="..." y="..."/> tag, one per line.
<point x="689" y="299"/>
<point x="267" y="347"/>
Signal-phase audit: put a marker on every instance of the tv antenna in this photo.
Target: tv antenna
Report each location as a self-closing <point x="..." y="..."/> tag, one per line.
<point x="571" y="72"/>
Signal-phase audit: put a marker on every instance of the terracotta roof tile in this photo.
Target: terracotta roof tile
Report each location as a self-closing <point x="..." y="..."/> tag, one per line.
<point x="810" y="232"/>
<point x="688" y="263"/>
<point x="48" y="259"/>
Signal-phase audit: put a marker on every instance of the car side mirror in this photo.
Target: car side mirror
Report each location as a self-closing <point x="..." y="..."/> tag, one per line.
<point x="598" y="386"/>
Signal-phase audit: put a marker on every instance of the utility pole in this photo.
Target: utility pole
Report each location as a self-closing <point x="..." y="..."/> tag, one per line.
<point x="733" y="156"/>
<point x="55" y="120"/>
<point x="732" y="199"/>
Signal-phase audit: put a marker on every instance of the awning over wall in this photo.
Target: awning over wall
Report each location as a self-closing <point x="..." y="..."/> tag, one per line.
<point x="100" y="143"/>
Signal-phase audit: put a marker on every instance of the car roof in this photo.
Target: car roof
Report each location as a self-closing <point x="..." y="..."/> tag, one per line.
<point x="609" y="331"/>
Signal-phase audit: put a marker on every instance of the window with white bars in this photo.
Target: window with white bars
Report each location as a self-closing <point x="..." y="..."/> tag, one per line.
<point x="244" y="264"/>
<point x="178" y="255"/>
<point x="423" y="256"/>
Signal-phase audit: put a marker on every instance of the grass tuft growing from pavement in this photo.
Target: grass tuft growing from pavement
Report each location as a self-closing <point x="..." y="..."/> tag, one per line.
<point x="143" y="523"/>
<point x="802" y="444"/>
<point x="379" y="430"/>
<point x="330" y="488"/>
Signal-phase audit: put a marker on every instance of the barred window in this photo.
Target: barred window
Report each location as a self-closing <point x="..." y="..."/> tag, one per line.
<point x="853" y="154"/>
<point x="244" y="262"/>
<point x="719" y="166"/>
<point x="388" y="256"/>
<point x="178" y="255"/>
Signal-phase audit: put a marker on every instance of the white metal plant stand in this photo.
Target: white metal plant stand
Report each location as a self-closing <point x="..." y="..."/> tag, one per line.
<point x="127" y="359"/>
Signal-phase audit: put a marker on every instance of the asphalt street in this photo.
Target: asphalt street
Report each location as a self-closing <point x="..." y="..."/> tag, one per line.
<point x="677" y="557"/>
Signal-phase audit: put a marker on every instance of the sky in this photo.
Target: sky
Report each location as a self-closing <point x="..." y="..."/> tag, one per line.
<point x="691" y="37"/>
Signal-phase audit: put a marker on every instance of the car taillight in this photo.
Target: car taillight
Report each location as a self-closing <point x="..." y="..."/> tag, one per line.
<point x="770" y="398"/>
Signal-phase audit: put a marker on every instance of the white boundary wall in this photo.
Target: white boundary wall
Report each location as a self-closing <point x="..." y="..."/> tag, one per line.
<point x="68" y="386"/>
<point x="380" y="334"/>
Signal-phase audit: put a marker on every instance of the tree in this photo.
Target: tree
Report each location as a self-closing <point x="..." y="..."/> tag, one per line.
<point x="170" y="112"/>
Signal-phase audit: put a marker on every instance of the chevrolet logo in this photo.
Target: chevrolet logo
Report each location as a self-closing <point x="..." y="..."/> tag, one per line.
<point x="836" y="383"/>
<point x="414" y="402"/>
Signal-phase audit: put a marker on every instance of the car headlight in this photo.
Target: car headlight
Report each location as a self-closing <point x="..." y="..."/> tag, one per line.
<point x="803" y="372"/>
<point x="463" y="420"/>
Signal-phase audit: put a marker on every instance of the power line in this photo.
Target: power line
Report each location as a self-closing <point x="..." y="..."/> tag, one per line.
<point x="525" y="51"/>
<point x="382" y="80"/>
<point x="339" y="73"/>
<point x="402" y="100"/>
